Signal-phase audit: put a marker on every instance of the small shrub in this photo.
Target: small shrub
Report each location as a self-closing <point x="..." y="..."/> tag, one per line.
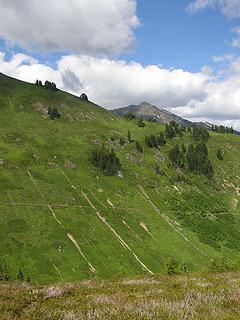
<point x="141" y="124"/>
<point x="122" y="141"/>
<point x="54" y="113"/>
<point x="139" y="147"/>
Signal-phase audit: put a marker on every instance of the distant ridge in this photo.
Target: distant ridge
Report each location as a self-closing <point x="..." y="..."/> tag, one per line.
<point x="147" y="111"/>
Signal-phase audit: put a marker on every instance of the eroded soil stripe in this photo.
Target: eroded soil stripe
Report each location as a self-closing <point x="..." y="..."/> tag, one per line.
<point x="146" y="197"/>
<point x="121" y="241"/>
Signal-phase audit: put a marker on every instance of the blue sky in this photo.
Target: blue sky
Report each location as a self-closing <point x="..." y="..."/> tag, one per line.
<point x="173" y="38"/>
<point x="182" y="55"/>
<point x="167" y="36"/>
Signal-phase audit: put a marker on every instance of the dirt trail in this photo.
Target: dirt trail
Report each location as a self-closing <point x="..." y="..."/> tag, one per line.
<point x="121" y="241"/>
<point x="146" y="197"/>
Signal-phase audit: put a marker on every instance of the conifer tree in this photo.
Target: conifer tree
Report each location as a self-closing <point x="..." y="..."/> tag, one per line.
<point x="219" y="155"/>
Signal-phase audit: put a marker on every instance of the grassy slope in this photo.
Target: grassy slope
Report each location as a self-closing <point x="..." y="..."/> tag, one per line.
<point x="60" y="221"/>
<point x="195" y="296"/>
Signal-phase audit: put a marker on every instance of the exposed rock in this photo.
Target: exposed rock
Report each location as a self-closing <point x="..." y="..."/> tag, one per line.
<point x="70" y="164"/>
<point x="120" y="174"/>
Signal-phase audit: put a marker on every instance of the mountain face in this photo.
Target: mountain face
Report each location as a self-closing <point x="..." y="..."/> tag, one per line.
<point x="147" y="111"/>
<point x="62" y="219"/>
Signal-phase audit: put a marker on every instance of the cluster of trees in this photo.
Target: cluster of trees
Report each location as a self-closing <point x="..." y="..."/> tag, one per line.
<point x="194" y="159"/>
<point x="222" y="129"/>
<point x="198" y="160"/>
<point x="200" y="134"/>
<point x="106" y="160"/>
<point x="130" y="116"/>
<point x="39" y="83"/>
<point x="173" y="129"/>
<point x="177" y="156"/>
<point x="54" y="113"/>
<point x="155" y="141"/>
<point x="49" y="85"/>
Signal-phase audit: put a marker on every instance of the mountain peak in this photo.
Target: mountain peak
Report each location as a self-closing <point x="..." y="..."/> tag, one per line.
<point x="147" y="111"/>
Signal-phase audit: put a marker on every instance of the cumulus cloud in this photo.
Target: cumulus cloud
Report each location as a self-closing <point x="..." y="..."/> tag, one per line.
<point x="79" y="26"/>
<point x="230" y="8"/>
<point x="111" y="83"/>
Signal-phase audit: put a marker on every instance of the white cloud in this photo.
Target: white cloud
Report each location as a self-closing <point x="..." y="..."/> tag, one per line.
<point x="223" y="58"/>
<point x="79" y="26"/>
<point x="235" y="43"/>
<point x="112" y="83"/>
<point x="230" y="8"/>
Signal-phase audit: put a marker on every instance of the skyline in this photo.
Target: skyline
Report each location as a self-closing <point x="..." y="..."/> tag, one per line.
<point x="180" y="55"/>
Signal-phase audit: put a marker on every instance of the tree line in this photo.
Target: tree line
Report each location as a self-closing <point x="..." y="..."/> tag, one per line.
<point x="48" y="85"/>
<point x="222" y="129"/>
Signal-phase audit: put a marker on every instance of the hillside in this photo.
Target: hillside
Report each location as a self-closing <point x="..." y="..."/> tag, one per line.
<point x="61" y="219"/>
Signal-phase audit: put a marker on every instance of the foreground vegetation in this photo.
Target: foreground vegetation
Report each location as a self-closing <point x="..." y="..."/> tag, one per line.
<point x="187" y="296"/>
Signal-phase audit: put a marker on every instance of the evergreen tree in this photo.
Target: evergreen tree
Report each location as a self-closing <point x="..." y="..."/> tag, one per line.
<point x="141" y="124"/>
<point x="139" y="147"/>
<point x="219" y="155"/>
<point x="84" y="97"/>
<point x="161" y="141"/>
<point x="172" y="266"/>
<point x="122" y="141"/>
<point x="151" y="141"/>
<point x="176" y="156"/>
<point x="184" y="150"/>
<point x="170" y="133"/>
<point x="129" y="136"/>
<point x="38" y="83"/>
<point x="53" y="113"/>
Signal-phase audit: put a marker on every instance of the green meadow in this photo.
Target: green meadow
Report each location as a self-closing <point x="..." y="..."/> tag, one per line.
<point x="62" y="220"/>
